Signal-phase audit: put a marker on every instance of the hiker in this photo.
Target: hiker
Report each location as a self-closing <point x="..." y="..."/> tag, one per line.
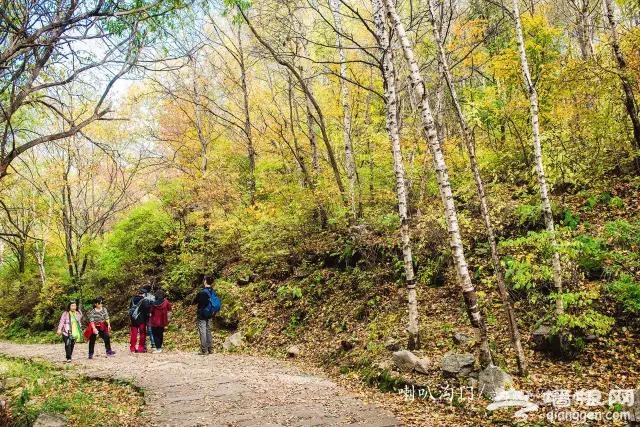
<point x="151" y="298"/>
<point x="159" y="318"/>
<point x="208" y="305"/>
<point x="70" y="329"/>
<point x="139" y="316"/>
<point x="99" y="325"/>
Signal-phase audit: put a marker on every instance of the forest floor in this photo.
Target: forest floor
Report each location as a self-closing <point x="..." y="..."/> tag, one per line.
<point x="187" y="389"/>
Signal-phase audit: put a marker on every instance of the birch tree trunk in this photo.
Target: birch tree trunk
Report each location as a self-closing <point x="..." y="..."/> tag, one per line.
<point x="627" y="84"/>
<point x="350" y="164"/>
<point x="537" y="149"/>
<point x="468" y="140"/>
<point x="251" y="153"/>
<point x="391" y="100"/>
<point x="442" y="174"/>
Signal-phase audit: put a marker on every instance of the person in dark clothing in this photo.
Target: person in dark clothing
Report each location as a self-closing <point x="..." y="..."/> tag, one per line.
<point x="99" y="325"/>
<point x="159" y="318"/>
<point x="204" y="324"/>
<point x="139" y="310"/>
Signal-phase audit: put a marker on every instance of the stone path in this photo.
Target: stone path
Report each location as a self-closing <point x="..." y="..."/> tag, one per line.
<point x="186" y="389"/>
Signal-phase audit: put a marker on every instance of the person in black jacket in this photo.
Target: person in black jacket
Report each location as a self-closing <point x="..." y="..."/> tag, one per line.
<point x="204" y="324"/>
<point x="139" y="316"/>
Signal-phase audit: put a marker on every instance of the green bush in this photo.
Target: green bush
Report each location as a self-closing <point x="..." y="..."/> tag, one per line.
<point x="626" y="291"/>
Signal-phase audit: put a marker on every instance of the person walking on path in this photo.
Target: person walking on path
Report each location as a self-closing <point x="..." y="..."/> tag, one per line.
<point x="208" y="305"/>
<point x="70" y="329"/>
<point x="159" y="318"/>
<point x="139" y="309"/>
<point x="99" y="325"/>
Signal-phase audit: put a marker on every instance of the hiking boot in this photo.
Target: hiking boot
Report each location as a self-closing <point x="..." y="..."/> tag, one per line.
<point x="90" y="355"/>
<point x="111" y="353"/>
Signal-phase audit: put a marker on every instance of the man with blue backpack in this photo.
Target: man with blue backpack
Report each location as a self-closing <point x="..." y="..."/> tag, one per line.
<point x="208" y="305"/>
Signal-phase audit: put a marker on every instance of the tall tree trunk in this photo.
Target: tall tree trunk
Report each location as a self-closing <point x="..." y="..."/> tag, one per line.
<point x="204" y="143"/>
<point x="251" y="153"/>
<point x="312" y="99"/>
<point x="627" y="84"/>
<point x="370" y="161"/>
<point x="584" y="29"/>
<point x="469" y="142"/>
<point x="349" y="161"/>
<point x="297" y="152"/>
<point x="455" y="239"/>
<point x="391" y="99"/>
<point x="537" y="149"/>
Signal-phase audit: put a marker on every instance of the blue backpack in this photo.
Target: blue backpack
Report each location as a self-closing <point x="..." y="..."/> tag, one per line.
<point x="214" y="304"/>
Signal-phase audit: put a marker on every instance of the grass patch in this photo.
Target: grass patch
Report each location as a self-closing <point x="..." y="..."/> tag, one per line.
<point x="37" y="387"/>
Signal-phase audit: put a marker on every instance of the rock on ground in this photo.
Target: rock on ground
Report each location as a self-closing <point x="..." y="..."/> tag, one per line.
<point x="50" y="420"/>
<point x="233" y="341"/>
<point x="407" y="361"/>
<point x="493" y="380"/>
<point x="457" y="365"/>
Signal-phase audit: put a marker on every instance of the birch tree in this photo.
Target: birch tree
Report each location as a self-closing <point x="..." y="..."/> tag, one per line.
<point x="350" y="164"/>
<point x="391" y="103"/>
<point x="467" y="136"/>
<point x="625" y="79"/>
<point x="537" y="150"/>
<point x="442" y="174"/>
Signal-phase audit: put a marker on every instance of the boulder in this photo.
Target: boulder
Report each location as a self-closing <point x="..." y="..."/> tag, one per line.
<point x="492" y="380"/>
<point x="50" y="420"/>
<point x="406" y="361"/>
<point x="392" y="345"/>
<point x="293" y="351"/>
<point x="457" y="365"/>
<point x="422" y="366"/>
<point x="233" y="341"/>
<point x="541" y="335"/>
<point x="461" y="339"/>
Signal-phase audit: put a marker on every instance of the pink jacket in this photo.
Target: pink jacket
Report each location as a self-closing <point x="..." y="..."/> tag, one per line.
<point x="64" y="326"/>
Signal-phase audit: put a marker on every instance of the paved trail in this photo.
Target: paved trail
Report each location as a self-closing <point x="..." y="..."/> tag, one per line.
<point x="186" y="389"/>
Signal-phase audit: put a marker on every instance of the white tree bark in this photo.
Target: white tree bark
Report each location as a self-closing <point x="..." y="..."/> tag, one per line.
<point x="391" y="99"/>
<point x="537" y="150"/>
<point x="442" y="174"/>
<point x="467" y="137"/>
<point x="350" y="164"/>
<point x="627" y="84"/>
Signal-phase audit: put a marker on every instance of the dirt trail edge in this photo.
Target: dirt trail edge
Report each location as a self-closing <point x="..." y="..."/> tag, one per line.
<point x="186" y="389"/>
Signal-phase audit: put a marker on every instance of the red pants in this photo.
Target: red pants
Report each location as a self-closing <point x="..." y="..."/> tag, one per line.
<point x="141" y="331"/>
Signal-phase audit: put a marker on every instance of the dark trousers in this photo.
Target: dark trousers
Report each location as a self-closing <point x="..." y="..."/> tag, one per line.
<point x="69" y="342"/>
<point x="158" y="335"/>
<point x="105" y="337"/>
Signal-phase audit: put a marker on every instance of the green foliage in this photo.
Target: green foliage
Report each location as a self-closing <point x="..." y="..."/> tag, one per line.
<point x="525" y="274"/>
<point x="289" y="293"/>
<point x="136" y="244"/>
<point x="626" y="291"/>
<point x="530" y="215"/>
